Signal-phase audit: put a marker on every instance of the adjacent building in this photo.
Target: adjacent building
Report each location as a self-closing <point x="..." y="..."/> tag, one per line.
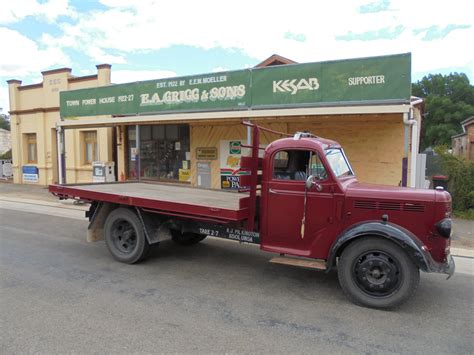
<point x="5" y="141"/>
<point x="463" y="143"/>
<point x="34" y="114"/>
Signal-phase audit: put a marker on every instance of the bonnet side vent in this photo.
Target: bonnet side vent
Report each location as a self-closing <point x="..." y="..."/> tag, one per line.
<point x="366" y="205"/>
<point x="414" y="207"/>
<point x="390" y="206"/>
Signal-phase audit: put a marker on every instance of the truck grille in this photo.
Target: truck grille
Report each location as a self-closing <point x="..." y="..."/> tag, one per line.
<point x="389" y="206"/>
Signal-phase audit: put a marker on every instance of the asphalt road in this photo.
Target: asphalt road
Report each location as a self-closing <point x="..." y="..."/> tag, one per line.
<point x="60" y="294"/>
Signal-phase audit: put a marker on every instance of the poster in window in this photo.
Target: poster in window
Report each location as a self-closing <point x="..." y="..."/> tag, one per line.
<point x="230" y="153"/>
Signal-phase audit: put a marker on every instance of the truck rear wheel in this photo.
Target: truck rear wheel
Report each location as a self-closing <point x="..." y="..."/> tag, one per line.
<point x="125" y="237"/>
<point x="376" y="273"/>
<point x="186" y="238"/>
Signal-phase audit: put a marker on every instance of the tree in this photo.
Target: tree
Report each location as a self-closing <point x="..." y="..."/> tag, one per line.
<point x="449" y="99"/>
<point x="4" y="121"/>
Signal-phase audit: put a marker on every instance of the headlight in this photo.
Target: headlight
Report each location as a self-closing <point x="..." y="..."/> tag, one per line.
<point x="444" y="227"/>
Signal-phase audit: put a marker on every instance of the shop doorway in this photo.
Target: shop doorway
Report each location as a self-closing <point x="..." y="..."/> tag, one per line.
<point x="163" y="154"/>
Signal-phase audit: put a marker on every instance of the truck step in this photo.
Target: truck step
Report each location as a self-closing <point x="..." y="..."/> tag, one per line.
<point x="301" y="262"/>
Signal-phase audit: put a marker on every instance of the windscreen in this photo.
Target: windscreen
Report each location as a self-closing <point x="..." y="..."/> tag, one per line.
<point x="338" y="162"/>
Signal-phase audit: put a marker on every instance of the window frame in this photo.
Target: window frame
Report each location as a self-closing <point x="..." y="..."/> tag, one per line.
<point x="30" y="139"/>
<point x="343" y="155"/>
<point x="85" y="141"/>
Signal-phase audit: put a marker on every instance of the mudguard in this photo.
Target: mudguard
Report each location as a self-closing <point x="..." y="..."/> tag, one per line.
<point x="399" y="235"/>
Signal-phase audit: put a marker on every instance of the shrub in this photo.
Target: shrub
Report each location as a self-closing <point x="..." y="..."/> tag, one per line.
<point x="461" y="179"/>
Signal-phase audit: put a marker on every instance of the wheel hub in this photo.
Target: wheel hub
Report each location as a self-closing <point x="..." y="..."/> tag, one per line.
<point x="376" y="273"/>
<point x="124" y="236"/>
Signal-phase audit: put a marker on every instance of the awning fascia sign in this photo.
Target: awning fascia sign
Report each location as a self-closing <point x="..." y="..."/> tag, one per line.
<point x="363" y="81"/>
<point x="190" y="117"/>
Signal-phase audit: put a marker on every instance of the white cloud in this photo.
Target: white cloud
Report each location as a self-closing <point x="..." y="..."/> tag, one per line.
<point x="24" y="57"/>
<point x="127" y="76"/>
<point x="4" y="99"/>
<point x="258" y="30"/>
<point x="16" y="10"/>
<point x="98" y="55"/>
<point x="218" y="69"/>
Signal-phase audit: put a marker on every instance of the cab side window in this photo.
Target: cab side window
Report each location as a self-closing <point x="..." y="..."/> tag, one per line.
<point x="297" y="165"/>
<point x="316" y="168"/>
<point x="291" y="165"/>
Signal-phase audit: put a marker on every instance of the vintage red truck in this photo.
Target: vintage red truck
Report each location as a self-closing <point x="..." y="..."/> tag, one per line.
<point x="301" y="201"/>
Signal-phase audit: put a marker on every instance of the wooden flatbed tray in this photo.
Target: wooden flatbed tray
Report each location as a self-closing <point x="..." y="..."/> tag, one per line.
<point x="172" y="198"/>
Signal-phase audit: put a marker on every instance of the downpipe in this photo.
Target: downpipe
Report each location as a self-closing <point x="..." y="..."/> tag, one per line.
<point x="409" y="120"/>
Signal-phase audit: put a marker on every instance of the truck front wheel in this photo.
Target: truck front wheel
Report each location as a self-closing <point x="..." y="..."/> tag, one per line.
<point x="376" y="273"/>
<point x="125" y="237"/>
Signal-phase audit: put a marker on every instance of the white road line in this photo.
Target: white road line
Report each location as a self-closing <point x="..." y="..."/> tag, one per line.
<point x="43" y="209"/>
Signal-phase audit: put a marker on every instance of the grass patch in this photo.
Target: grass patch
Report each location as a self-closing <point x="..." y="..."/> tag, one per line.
<point x="467" y="214"/>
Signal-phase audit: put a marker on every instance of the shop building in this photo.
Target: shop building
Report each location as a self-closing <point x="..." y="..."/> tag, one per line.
<point x="34" y="112"/>
<point x="188" y="129"/>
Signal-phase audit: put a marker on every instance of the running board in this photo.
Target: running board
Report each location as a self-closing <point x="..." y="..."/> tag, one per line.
<point x="300" y="262"/>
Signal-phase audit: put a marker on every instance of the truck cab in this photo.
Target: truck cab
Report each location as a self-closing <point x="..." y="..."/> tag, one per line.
<point x="287" y="199"/>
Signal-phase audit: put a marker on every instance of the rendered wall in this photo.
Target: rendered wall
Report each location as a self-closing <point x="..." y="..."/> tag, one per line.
<point x="35" y="109"/>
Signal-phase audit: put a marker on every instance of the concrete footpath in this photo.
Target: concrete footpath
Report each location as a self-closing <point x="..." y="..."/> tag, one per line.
<point x="32" y="198"/>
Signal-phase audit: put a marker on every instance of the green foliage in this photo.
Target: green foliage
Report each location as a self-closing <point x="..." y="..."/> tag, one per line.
<point x="4" y="122"/>
<point x="6" y="155"/>
<point x="461" y="180"/>
<point x="449" y="100"/>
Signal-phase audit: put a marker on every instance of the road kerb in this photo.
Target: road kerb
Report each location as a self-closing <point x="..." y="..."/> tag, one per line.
<point x="63" y="204"/>
<point x="466" y="253"/>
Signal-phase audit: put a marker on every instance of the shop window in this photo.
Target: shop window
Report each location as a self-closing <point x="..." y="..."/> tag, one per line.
<point x="158" y="132"/>
<point x="89" y="142"/>
<point x="31" y="148"/>
<point x="297" y="165"/>
<point x="164" y="152"/>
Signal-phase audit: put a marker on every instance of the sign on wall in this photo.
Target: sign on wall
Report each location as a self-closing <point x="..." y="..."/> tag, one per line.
<point x="367" y="79"/>
<point x="30" y="173"/>
<point x="206" y="153"/>
<point x="216" y="91"/>
<point x="204" y="174"/>
<point x="230" y="154"/>
<point x="386" y="78"/>
<point x="6" y="170"/>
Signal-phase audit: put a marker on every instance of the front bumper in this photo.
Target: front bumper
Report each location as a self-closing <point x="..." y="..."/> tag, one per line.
<point x="446" y="267"/>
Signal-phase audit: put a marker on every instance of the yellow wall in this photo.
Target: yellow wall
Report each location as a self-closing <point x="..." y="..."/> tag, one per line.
<point x="205" y="135"/>
<point x="373" y="143"/>
<point x="35" y="109"/>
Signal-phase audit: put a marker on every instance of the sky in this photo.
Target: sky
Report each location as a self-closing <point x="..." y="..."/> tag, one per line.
<point x="152" y="39"/>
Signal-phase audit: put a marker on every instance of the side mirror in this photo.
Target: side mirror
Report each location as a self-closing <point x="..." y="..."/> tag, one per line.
<point x="312" y="181"/>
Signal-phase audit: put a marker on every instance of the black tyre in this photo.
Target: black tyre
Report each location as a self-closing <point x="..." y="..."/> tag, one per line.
<point x="125" y="237"/>
<point x="186" y="238"/>
<point x="376" y="273"/>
